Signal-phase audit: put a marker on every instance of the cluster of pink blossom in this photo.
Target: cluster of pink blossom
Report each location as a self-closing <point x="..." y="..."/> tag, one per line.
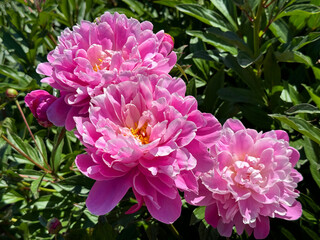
<point x="140" y="131"/>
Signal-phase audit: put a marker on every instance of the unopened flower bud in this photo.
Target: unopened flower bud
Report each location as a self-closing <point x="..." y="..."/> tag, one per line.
<point x="39" y="101"/>
<point x="11" y="93"/>
<point x="168" y="38"/>
<point x="54" y="226"/>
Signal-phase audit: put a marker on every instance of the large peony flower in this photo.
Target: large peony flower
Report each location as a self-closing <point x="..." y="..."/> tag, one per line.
<point x="39" y="101"/>
<point x="145" y="135"/>
<point x="90" y="57"/>
<point x="253" y="179"/>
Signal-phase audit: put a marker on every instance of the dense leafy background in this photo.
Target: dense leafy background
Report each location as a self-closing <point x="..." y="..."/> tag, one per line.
<point x="254" y="60"/>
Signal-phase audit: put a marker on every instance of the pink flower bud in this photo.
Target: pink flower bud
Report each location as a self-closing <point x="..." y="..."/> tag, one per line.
<point x="11" y="93"/>
<point x="168" y="38"/>
<point x="39" y="101"/>
<point x="54" y="226"/>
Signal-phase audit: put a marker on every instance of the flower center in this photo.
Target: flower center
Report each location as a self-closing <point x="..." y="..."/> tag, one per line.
<point x="97" y="67"/>
<point x="141" y="134"/>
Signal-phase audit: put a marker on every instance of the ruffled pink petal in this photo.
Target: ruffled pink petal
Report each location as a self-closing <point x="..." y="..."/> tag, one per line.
<point x="293" y="212"/>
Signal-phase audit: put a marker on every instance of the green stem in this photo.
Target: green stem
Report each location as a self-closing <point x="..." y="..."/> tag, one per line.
<point x="60" y="138"/>
<point x="32" y="136"/>
<point x="256" y="29"/>
<point x="174" y="231"/>
<point x="40" y="188"/>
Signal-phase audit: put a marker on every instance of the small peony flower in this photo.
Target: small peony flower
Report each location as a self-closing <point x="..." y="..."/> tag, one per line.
<point x="39" y="101"/>
<point x="145" y="135"/>
<point x="89" y="58"/>
<point x="253" y="179"/>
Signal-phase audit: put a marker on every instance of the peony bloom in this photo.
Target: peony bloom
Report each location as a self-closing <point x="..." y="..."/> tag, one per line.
<point x="145" y="135"/>
<point x="253" y="179"/>
<point x="39" y="101"/>
<point x="89" y="58"/>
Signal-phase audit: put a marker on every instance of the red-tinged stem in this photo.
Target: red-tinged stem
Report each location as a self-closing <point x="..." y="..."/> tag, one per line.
<point x="23" y="154"/>
<point x="32" y="136"/>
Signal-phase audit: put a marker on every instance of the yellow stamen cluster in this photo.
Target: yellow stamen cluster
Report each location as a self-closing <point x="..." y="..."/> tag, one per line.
<point x="97" y="67"/>
<point x="141" y="134"/>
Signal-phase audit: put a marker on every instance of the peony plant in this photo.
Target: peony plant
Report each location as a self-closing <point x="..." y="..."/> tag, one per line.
<point x="141" y="132"/>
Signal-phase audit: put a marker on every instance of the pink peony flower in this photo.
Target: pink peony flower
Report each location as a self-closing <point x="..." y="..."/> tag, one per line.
<point x="39" y="101"/>
<point x="90" y="56"/>
<point x="253" y="179"/>
<point x="145" y="135"/>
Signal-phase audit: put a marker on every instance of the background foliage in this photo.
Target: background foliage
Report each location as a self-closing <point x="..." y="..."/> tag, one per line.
<point x="256" y="60"/>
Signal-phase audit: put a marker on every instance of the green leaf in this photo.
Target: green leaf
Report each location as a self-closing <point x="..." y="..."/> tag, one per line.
<point x="293" y="56"/>
<point x="287" y="233"/>
<point x="191" y="88"/>
<point x="313" y="235"/>
<point x="135" y="6"/>
<point x="246" y="75"/>
<point x="299" y="9"/>
<point x="302" y="108"/>
<point x="12" y="197"/>
<point x="22" y="80"/>
<point x="211" y="91"/>
<point x="316" y="72"/>
<point x="227" y="8"/>
<point x="280" y="29"/>
<point x="57" y="155"/>
<point x="173" y="3"/>
<point x="238" y="95"/>
<point x="197" y="215"/>
<point x="42" y="147"/>
<point x="78" y="184"/>
<point x="103" y="230"/>
<point x="205" y="15"/>
<point x="25" y="148"/>
<point x="208" y="55"/>
<point x="300" y="125"/>
<point x="272" y="71"/>
<point x="256" y="115"/>
<point x="214" y="41"/>
<point x="35" y="186"/>
<point x="12" y="44"/>
<point x="312" y="152"/>
<point x="313" y="96"/>
<point x="301" y="41"/>
<point x="232" y="39"/>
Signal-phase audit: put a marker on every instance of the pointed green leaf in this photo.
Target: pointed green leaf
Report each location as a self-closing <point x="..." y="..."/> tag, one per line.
<point x="205" y="15"/>
<point x="293" y="56"/>
<point x="312" y="152"/>
<point x="211" y="92"/>
<point x="35" y="186"/>
<point x="303" y="108"/>
<point x="313" y="96"/>
<point x="214" y="41"/>
<point x="300" y="125"/>
<point x="227" y="8"/>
